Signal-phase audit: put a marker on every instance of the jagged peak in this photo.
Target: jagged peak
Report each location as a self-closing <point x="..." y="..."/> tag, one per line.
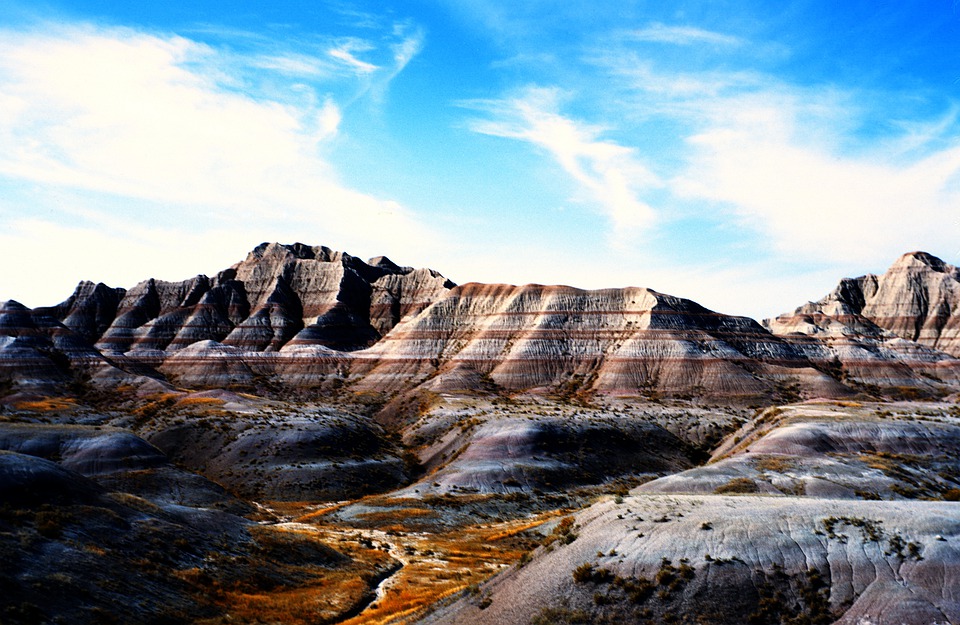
<point x="925" y="259"/>
<point x="385" y="263"/>
<point x="12" y="305"/>
<point x="300" y="251"/>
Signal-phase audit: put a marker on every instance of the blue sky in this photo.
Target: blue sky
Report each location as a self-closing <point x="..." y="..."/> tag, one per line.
<point x="746" y="155"/>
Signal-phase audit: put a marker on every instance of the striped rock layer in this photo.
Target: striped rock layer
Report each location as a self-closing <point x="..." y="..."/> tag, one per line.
<point x="616" y="341"/>
<point x="900" y="328"/>
<point x="302" y="316"/>
<point x="279" y="295"/>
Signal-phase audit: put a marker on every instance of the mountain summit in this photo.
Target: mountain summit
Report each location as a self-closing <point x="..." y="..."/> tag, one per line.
<point x="306" y="316"/>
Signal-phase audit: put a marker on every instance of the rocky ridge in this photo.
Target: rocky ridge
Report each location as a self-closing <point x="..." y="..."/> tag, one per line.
<point x="296" y="316"/>
<point x="279" y="295"/>
<point x="900" y="327"/>
<point x="480" y="410"/>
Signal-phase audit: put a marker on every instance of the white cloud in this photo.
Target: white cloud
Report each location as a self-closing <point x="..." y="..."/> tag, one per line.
<point x="182" y="134"/>
<point x="294" y="64"/>
<point x="816" y="173"/>
<point x="52" y="263"/>
<point x="781" y="170"/>
<point x="683" y="35"/>
<point x="608" y="174"/>
<point x="328" y="120"/>
<point x="345" y="54"/>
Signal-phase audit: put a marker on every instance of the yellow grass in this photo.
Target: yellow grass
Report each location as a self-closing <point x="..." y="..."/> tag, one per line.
<point x="513" y="531"/>
<point x="324" y="594"/>
<point x="316" y="514"/>
<point x="200" y="401"/>
<point x="47" y="404"/>
<point x="434" y="566"/>
<point x="396" y="515"/>
<point x="441" y="565"/>
<point x="777" y="464"/>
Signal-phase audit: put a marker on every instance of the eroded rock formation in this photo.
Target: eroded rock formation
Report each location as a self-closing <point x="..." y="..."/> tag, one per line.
<point x="898" y="329"/>
<point x="298" y="316"/>
<point x="279" y="294"/>
<point x="557" y="338"/>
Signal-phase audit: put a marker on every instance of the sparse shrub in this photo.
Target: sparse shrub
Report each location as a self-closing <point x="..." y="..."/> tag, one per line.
<point x="737" y="485"/>
<point x="563" y="532"/>
<point x="777" y="464"/>
<point x="588" y="573"/>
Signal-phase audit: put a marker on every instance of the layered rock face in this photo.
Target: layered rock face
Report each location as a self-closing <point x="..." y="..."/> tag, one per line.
<point x="682" y="549"/>
<point x="616" y="341"/>
<point x="901" y="328"/>
<point x="310" y="456"/>
<point x="279" y="295"/>
<point x="38" y="351"/>
<point x="302" y="316"/>
<point x="824" y="450"/>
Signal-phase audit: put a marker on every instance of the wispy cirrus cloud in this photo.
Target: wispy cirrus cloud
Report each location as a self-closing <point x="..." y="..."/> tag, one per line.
<point x="785" y="176"/>
<point x="683" y="36"/>
<point x="345" y="53"/>
<point x="608" y="175"/>
<point x="176" y="132"/>
<point x="820" y="173"/>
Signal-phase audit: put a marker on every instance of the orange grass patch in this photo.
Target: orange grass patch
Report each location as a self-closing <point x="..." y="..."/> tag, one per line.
<point x="316" y="514"/>
<point x="47" y="404"/>
<point x="322" y="601"/>
<point x="513" y="531"/>
<point x="441" y="565"/>
<point x="321" y="594"/>
<point x="396" y="515"/>
<point x="200" y="401"/>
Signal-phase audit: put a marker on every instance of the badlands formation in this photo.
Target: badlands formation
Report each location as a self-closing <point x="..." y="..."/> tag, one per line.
<point x="310" y="438"/>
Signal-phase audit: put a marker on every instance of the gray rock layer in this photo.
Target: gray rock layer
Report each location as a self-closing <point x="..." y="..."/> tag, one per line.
<point x="741" y="550"/>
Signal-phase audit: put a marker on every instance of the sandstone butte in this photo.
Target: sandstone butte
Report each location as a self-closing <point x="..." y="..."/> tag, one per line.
<point x="309" y="317"/>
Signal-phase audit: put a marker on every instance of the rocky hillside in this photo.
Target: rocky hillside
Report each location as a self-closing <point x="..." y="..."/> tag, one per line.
<point x="820" y="512"/>
<point x="557" y="338"/>
<point x="873" y="325"/>
<point x="295" y="316"/>
<point x="279" y="295"/>
<point x="721" y="560"/>
<point x="307" y="437"/>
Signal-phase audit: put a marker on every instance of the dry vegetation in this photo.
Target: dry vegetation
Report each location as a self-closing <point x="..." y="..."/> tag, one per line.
<point x="324" y="589"/>
<point x="46" y="404"/>
<point x="777" y="464"/>
<point x="434" y="565"/>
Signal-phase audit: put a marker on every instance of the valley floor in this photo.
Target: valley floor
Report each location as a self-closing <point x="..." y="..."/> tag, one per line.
<point x="478" y="509"/>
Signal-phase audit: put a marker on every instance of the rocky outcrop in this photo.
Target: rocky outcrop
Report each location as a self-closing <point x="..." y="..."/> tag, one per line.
<point x="677" y="551"/>
<point x="825" y="450"/>
<point x="37" y="351"/>
<point x="898" y="329"/>
<point x="552" y="453"/>
<point x="279" y="295"/>
<point x="78" y="551"/>
<point x="298" y="316"/>
<point x="89" y="311"/>
<point x="726" y="560"/>
<point x="117" y="460"/>
<point x="567" y="340"/>
<point x="318" y="455"/>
